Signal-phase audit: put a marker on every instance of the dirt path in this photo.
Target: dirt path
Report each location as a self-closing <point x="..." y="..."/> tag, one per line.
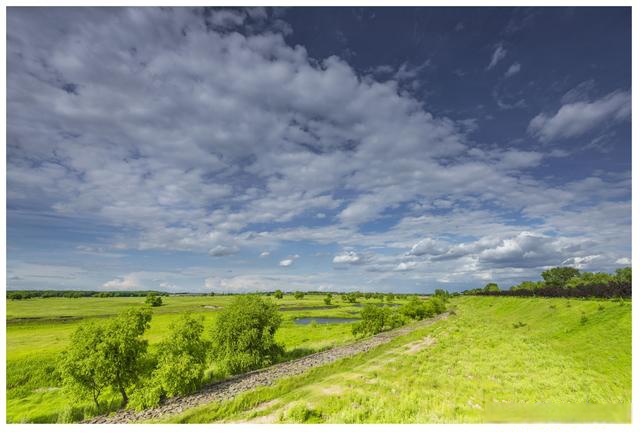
<point x="234" y="386"/>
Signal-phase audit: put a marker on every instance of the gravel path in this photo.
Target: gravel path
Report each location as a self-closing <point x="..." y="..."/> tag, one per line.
<point x="233" y="386"/>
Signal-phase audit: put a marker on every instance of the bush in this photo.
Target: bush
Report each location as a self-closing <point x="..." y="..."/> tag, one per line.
<point x="377" y="319"/>
<point x="153" y="300"/>
<point x="243" y="336"/>
<point x="327" y="299"/>
<point x="182" y="357"/>
<point x="278" y="294"/>
<point x="418" y="309"/>
<point x="298" y="295"/>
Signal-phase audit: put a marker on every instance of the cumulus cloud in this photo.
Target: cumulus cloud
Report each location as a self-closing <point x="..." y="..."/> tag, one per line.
<point x="348" y="258"/>
<point x="221" y="250"/>
<point x="576" y="118"/>
<point x="288" y="261"/>
<point x="129" y="281"/>
<point x="428" y="246"/>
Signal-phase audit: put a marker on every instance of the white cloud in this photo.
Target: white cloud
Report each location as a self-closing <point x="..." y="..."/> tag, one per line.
<point x="348" y="258"/>
<point x="575" y="119"/>
<point x="130" y="281"/>
<point x="513" y="70"/>
<point x="265" y="254"/>
<point x="623" y="261"/>
<point x="221" y="250"/>
<point x="288" y="261"/>
<point x="499" y="53"/>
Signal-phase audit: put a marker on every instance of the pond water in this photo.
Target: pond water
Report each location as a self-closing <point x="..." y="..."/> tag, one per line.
<point x="324" y="320"/>
<point x="378" y="304"/>
<point x="307" y="308"/>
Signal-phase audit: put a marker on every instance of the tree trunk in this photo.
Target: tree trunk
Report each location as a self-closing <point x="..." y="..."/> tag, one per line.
<point x="125" y="398"/>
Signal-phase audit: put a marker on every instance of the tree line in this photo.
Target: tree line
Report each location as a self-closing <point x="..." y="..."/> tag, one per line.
<point x="567" y="282"/>
<point x="50" y="293"/>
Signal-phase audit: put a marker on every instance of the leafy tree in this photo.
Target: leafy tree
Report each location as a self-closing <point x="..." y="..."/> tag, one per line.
<point x="182" y="357"/>
<point x="327" y="299"/>
<point x="390" y="297"/>
<point x="376" y="319"/>
<point x="368" y="295"/>
<point x="278" y="294"/>
<point x="623" y="275"/>
<point x="81" y="364"/>
<point x="243" y="336"/>
<point x="559" y="276"/>
<point x="417" y="309"/>
<point x="491" y="287"/>
<point x="110" y="355"/>
<point x="124" y="351"/>
<point x="439" y="292"/>
<point x="298" y="295"/>
<point x="153" y="300"/>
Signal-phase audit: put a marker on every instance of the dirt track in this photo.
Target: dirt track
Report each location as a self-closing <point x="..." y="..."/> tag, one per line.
<point x="234" y="386"/>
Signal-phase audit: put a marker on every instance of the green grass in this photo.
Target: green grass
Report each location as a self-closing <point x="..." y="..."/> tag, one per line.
<point x="478" y="368"/>
<point x="39" y="329"/>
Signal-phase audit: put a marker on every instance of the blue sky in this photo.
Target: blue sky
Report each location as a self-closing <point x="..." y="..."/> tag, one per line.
<point x="391" y="149"/>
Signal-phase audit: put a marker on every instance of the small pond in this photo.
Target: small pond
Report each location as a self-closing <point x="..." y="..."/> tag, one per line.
<point x="307" y="308"/>
<point x="324" y="320"/>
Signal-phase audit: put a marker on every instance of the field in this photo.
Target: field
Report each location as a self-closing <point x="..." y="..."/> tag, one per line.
<point x="495" y="360"/>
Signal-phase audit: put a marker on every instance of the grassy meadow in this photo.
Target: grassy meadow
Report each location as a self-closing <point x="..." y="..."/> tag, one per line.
<point x="495" y="360"/>
<point x="38" y="329"/>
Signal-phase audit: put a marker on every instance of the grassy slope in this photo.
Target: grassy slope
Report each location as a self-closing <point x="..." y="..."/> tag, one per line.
<point x="33" y="393"/>
<point x="480" y="368"/>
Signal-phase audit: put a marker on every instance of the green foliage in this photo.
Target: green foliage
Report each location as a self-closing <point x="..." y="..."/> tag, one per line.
<point x="110" y="355"/>
<point x="623" y="275"/>
<point x="390" y="297"/>
<point x="327" y="299"/>
<point x="559" y="276"/>
<point x="418" y="309"/>
<point x="377" y="319"/>
<point x="519" y="324"/>
<point x="81" y="365"/>
<point x="153" y="300"/>
<point x="527" y="285"/>
<point x="368" y="295"/>
<point x="182" y="357"/>
<point x="278" y="294"/>
<point x="350" y="297"/>
<point x="439" y="292"/>
<point x="298" y="295"/>
<point x="243" y="336"/>
<point x="492" y="287"/>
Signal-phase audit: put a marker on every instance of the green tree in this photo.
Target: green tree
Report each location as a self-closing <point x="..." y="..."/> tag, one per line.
<point x="278" y="294"/>
<point x="81" y="364"/>
<point x="124" y="350"/>
<point x="327" y="299"/>
<point x="623" y="275"/>
<point x="376" y="319"/>
<point x="439" y="292"/>
<point x="243" y="336"/>
<point x="390" y="297"/>
<point x="298" y="295"/>
<point x="182" y="357"/>
<point x="153" y="300"/>
<point x="491" y="287"/>
<point x="558" y="277"/>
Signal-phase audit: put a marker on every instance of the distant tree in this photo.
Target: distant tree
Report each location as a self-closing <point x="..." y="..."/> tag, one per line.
<point x="439" y="292"/>
<point x="278" y="294"/>
<point x="153" y="300"/>
<point x="81" y="364"/>
<point x="559" y="276"/>
<point x="327" y="299"/>
<point x="298" y="295"/>
<point x="243" y="336"/>
<point x="492" y="287"/>
<point x="390" y="297"/>
<point x="376" y="319"/>
<point x="368" y="295"/>
<point x="380" y="296"/>
<point x="623" y="275"/>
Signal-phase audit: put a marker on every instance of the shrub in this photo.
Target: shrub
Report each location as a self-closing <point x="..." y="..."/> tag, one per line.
<point x="153" y="300"/>
<point x="327" y="299"/>
<point x="417" y="309"/>
<point x="298" y="295"/>
<point x="278" y="294"/>
<point x="182" y="357"/>
<point x="243" y="336"/>
<point x="377" y="319"/>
